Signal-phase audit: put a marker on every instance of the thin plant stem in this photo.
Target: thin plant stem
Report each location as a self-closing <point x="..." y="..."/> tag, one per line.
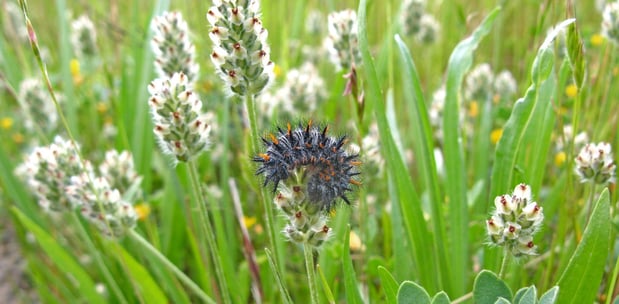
<point x="98" y="260"/>
<point x="613" y="282"/>
<point x="504" y="263"/>
<point x="462" y="298"/>
<point x="311" y="274"/>
<point x="179" y="274"/>
<point x="269" y="218"/>
<point x="208" y="232"/>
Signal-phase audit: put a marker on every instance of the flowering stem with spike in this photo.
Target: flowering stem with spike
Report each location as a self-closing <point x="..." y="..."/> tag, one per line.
<point x="504" y="263"/>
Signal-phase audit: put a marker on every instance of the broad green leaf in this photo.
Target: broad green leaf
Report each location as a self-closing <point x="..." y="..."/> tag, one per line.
<point x="526" y="295"/>
<point x="550" y="297"/>
<point x="350" y="277"/>
<point x="418" y="234"/>
<point x="424" y="152"/>
<point x="389" y="284"/>
<point x="488" y="288"/>
<point x="72" y="270"/>
<point x="582" y="277"/>
<point x="411" y="293"/>
<point x="456" y="188"/>
<point x="502" y="301"/>
<point x="144" y="283"/>
<point x="441" y="298"/>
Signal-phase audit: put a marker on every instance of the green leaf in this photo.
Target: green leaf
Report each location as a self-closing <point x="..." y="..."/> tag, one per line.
<point x="411" y="293"/>
<point x="278" y="278"/>
<point x="510" y="144"/>
<point x="144" y="284"/>
<point x="459" y="63"/>
<point x="526" y="295"/>
<point x="550" y="297"/>
<point x="350" y="277"/>
<point x="441" y="298"/>
<point x="576" y="54"/>
<point x="325" y="284"/>
<point x="417" y="232"/>
<point x="73" y="271"/>
<point x="488" y="288"/>
<point x="583" y="274"/>
<point x="502" y="301"/>
<point x="424" y="152"/>
<point x="389" y="284"/>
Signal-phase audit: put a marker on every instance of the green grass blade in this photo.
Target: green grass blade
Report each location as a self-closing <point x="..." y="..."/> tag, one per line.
<point x="350" y="277"/>
<point x="424" y="152"/>
<point x="83" y="282"/>
<point x="389" y="284"/>
<point x="325" y="285"/>
<point x="145" y="285"/>
<point x="418" y="234"/>
<point x="411" y="293"/>
<point x="581" y="279"/>
<point x="278" y="277"/>
<point x="69" y="107"/>
<point x="456" y="188"/>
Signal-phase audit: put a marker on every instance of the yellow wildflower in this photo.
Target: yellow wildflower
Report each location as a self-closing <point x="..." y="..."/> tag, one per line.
<point x="249" y="221"/>
<point x="571" y="90"/>
<point x="277" y="70"/>
<point x="495" y="135"/>
<point x="597" y="39"/>
<point x="473" y="109"/>
<point x="74" y="66"/>
<point x="560" y="159"/>
<point x="6" y="123"/>
<point x="101" y="107"/>
<point x="142" y="211"/>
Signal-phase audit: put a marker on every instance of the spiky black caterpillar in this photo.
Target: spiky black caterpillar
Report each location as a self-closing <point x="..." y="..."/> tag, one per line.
<point x="327" y="169"/>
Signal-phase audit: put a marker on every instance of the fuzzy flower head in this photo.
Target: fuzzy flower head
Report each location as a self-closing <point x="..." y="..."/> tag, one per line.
<point x="478" y="83"/>
<point x="240" y="54"/>
<point x="515" y="220"/>
<point x="302" y="92"/>
<point x="314" y="23"/>
<point x="173" y="50"/>
<point x="38" y="106"/>
<point x="101" y="205"/>
<point x="309" y="171"/>
<point x="505" y="85"/>
<point x="342" y="42"/>
<point x="180" y="126"/>
<point x="610" y="22"/>
<point x="84" y="37"/>
<point x="48" y="170"/>
<point x="411" y="16"/>
<point x="429" y="29"/>
<point x="594" y="164"/>
<point x="118" y="169"/>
